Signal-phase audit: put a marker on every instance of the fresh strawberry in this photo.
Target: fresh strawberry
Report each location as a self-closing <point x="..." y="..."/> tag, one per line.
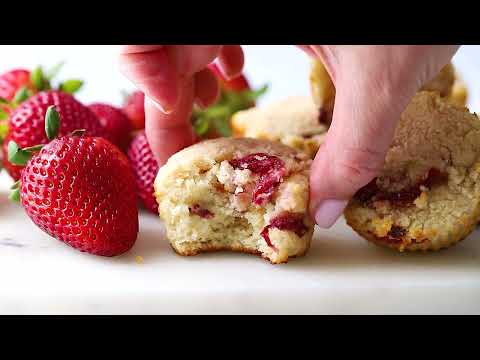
<point x="235" y="95"/>
<point x="18" y="85"/>
<point x="13" y="85"/>
<point x="27" y="123"/>
<point x="115" y="122"/>
<point x="12" y="81"/>
<point x="78" y="189"/>
<point x="134" y="108"/>
<point x="213" y="122"/>
<point x="239" y="83"/>
<point x="145" y="168"/>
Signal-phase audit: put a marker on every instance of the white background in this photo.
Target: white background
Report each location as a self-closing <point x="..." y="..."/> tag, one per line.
<point x="284" y="67"/>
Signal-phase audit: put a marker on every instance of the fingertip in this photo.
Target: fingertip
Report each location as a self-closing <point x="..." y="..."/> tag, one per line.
<point x="231" y="61"/>
<point x="206" y="88"/>
<point x="328" y="212"/>
<point x="170" y="133"/>
<point x="154" y="74"/>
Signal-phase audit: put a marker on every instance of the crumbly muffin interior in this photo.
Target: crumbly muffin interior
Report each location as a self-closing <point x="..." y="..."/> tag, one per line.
<point x="219" y="205"/>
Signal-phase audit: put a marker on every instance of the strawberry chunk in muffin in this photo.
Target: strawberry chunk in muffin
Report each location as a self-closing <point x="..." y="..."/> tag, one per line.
<point x="243" y="195"/>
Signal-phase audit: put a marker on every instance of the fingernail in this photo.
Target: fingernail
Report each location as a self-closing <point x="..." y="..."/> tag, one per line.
<point x="166" y="110"/>
<point x="328" y="211"/>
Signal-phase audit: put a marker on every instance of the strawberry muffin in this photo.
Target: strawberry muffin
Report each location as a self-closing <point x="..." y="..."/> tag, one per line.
<point x="427" y="196"/>
<point x="322" y="90"/>
<point x="459" y="93"/>
<point x="447" y="83"/>
<point x="443" y="82"/>
<point x="295" y="121"/>
<point x="242" y="195"/>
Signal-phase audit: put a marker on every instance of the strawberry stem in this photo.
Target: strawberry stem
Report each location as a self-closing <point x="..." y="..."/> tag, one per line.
<point x="33" y="149"/>
<point x="78" y="132"/>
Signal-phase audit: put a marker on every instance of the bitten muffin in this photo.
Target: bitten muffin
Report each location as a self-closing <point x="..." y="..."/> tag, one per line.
<point x="443" y="82"/>
<point x="295" y="121"/>
<point x="459" y="93"/>
<point x="427" y="196"/>
<point x="242" y="195"/>
<point x="447" y="83"/>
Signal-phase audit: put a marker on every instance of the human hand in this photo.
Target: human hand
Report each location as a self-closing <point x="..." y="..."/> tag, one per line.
<point x="374" y="84"/>
<point x="173" y="78"/>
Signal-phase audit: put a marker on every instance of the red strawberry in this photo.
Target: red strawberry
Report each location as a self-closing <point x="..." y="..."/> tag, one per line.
<point x="80" y="190"/>
<point x="235" y="95"/>
<point x="145" y="168"/>
<point x="116" y="123"/>
<point x="239" y="83"/>
<point x="134" y="108"/>
<point x="27" y="123"/>
<point x="12" y="81"/>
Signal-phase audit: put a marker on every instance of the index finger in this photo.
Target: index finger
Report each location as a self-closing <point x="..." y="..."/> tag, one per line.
<point x="170" y="133"/>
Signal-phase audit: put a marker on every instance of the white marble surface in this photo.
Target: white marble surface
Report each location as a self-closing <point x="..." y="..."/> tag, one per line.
<point x="342" y="274"/>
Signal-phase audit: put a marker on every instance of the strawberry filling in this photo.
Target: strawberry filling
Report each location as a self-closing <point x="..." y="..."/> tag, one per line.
<point x="202" y="212"/>
<point x="286" y="222"/>
<point x="394" y="236"/>
<point x="371" y="192"/>
<point x="270" y="169"/>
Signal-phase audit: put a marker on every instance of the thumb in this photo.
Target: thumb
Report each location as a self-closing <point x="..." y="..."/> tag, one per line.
<point x="365" y="116"/>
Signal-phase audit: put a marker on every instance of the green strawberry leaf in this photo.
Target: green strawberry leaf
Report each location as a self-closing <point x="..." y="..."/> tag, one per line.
<point x="15" y="195"/>
<point x="218" y="115"/>
<point x="253" y="95"/>
<point x="54" y="70"/>
<point x="3" y="130"/>
<point x="21" y="95"/>
<point x="4" y="101"/>
<point x="16" y="155"/>
<point x="3" y="114"/>
<point x="223" y="127"/>
<point x="52" y="122"/>
<point x="71" y="86"/>
<point x="201" y="126"/>
<point x="37" y="78"/>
